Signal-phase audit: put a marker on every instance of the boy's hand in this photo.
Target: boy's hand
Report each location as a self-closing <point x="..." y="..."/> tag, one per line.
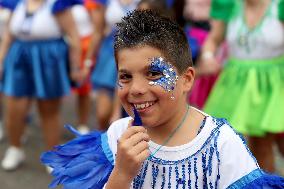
<point x="132" y="151"/>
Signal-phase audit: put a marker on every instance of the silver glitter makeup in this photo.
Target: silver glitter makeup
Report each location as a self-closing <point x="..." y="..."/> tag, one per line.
<point x="170" y="77"/>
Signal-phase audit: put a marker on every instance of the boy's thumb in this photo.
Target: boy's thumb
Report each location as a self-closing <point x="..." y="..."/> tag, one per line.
<point x="130" y="123"/>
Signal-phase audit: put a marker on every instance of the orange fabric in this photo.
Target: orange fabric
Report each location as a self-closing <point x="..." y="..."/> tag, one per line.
<point x="90" y="4"/>
<point x="86" y="87"/>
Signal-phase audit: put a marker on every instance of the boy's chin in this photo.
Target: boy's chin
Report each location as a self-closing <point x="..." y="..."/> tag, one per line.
<point x="149" y="122"/>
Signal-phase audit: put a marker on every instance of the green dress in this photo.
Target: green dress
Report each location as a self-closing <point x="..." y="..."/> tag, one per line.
<point x="250" y="90"/>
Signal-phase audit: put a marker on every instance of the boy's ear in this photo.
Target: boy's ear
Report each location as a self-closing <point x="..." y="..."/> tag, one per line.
<point x="188" y="79"/>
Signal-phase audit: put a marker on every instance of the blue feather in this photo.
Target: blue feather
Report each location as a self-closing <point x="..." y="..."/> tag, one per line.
<point x="266" y="181"/>
<point x="80" y="163"/>
<point x="137" y="119"/>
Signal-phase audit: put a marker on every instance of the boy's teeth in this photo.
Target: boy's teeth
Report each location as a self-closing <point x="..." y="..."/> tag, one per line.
<point x="144" y="105"/>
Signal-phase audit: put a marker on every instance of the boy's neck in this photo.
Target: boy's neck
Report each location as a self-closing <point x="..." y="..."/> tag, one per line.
<point x="190" y="126"/>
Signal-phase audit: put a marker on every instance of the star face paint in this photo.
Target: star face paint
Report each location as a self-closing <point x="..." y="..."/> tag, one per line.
<point x="169" y="79"/>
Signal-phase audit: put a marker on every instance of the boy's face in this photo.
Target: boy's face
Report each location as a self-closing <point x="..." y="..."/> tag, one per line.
<point x="151" y="84"/>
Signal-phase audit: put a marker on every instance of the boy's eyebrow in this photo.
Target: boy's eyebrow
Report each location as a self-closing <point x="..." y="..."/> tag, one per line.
<point x="123" y="71"/>
<point x="147" y="67"/>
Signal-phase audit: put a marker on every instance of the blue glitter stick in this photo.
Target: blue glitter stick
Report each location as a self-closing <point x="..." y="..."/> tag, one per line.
<point x="137" y="119"/>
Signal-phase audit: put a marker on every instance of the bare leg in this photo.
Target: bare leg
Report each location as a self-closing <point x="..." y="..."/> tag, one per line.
<point x="262" y="149"/>
<point x="16" y="110"/>
<point x="49" y="111"/>
<point x="279" y="139"/>
<point x="84" y="108"/>
<point x="104" y="105"/>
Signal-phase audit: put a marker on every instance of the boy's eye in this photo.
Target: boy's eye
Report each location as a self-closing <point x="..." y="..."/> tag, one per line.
<point x="124" y="77"/>
<point x="155" y="74"/>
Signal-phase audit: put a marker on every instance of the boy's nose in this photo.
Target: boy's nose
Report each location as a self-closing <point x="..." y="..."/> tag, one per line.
<point x="138" y="87"/>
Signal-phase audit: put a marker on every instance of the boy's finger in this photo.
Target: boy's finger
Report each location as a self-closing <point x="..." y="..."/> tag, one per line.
<point x="130" y="123"/>
<point x="140" y="147"/>
<point x="131" y="131"/>
<point x="137" y="138"/>
<point x="143" y="155"/>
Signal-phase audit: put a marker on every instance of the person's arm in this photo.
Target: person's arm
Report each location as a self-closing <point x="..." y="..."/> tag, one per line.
<point x="132" y="151"/>
<point x="208" y="63"/>
<point x="5" y="43"/>
<point x="98" y="20"/>
<point x="67" y="25"/>
<point x="281" y="11"/>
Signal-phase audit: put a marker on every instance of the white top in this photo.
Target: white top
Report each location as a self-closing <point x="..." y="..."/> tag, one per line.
<point x="116" y="10"/>
<point x="266" y="41"/>
<point x="83" y="20"/>
<point x="216" y="150"/>
<point x="41" y="25"/>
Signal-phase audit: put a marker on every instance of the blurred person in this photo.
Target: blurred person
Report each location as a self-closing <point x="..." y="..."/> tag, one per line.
<point x="104" y="75"/>
<point x="159" y="6"/>
<point x="35" y="57"/>
<point x="4" y="15"/>
<point x="249" y="91"/>
<point x="196" y="14"/>
<point x="197" y="10"/>
<point x="90" y="24"/>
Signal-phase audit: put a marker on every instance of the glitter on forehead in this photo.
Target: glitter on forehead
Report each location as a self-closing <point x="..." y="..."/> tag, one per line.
<point x="169" y="79"/>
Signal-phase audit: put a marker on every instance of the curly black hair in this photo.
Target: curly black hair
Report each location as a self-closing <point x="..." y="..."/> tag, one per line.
<point x="148" y="28"/>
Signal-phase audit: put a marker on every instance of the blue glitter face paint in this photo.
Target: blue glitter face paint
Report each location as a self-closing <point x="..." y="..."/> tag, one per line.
<point x="169" y="76"/>
<point x="119" y="85"/>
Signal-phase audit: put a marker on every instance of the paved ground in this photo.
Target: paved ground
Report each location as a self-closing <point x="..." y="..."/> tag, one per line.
<point x="32" y="175"/>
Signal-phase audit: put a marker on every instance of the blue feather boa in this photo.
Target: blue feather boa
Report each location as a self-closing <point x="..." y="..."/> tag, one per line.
<point x="80" y="163"/>
<point x="266" y="181"/>
<point x="258" y="179"/>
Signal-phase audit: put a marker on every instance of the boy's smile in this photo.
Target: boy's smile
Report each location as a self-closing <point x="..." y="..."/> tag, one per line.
<point x="148" y="84"/>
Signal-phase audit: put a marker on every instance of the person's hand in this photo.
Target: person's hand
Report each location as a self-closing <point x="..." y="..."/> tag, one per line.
<point x="77" y="75"/>
<point x="208" y="65"/>
<point x="132" y="151"/>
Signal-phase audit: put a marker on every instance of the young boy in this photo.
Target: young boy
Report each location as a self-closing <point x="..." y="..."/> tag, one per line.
<point x="177" y="146"/>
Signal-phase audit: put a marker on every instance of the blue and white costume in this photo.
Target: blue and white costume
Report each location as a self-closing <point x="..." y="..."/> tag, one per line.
<point x="216" y="158"/>
<point x="36" y="63"/>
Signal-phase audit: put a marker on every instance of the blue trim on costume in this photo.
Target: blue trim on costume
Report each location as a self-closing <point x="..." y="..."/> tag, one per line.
<point x="9" y="4"/>
<point x="61" y="5"/>
<point x="212" y="137"/>
<point x="106" y="149"/>
<point x="245" y="180"/>
<point x="102" y="2"/>
<point x="170" y="3"/>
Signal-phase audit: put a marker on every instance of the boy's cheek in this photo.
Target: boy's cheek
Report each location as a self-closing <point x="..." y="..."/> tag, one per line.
<point x="122" y="95"/>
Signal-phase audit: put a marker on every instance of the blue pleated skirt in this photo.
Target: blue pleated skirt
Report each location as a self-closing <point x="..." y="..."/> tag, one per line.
<point x="105" y="73"/>
<point x="36" y="69"/>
